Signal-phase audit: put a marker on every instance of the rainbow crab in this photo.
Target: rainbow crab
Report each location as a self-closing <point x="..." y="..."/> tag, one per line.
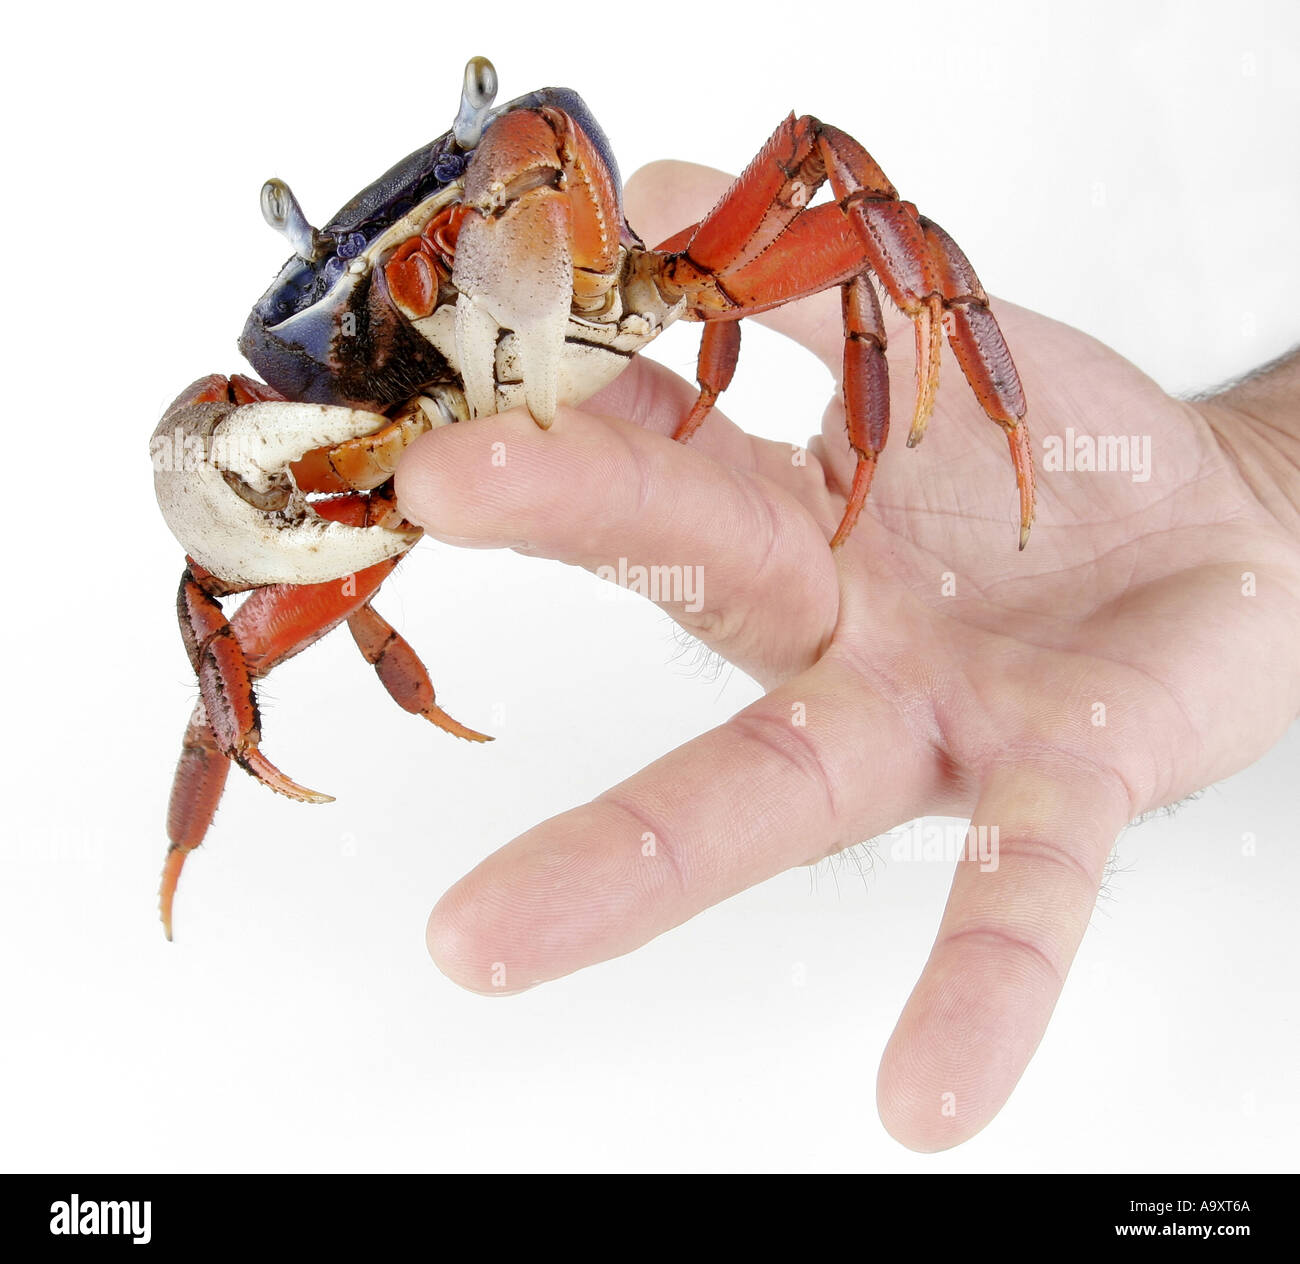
<point x="490" y="269"/>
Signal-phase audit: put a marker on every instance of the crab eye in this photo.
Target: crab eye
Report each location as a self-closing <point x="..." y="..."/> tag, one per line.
<point x="476" y="97"/>
<point x="280" y="209"/>
<point x="480" y="82"/>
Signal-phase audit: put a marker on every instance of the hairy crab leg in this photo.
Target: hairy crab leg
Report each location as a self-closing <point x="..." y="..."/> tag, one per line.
<point x="817" y="250"/>
<point x="759" y="248"/>
<point x="196" y="790"/>
<point x="984" y="357"/>
<point x="719" y="351"/>
<point x="400" y="670"/>
<point x="762" y="202"/>
<point x="226" y="685"/>
<point x="272" y="625"/>
<point x="931" y="280"/>
<point x="866" y="392"/>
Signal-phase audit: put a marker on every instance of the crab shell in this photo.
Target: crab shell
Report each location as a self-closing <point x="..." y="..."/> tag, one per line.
<point x="327" y="331"/>
<point x="330" y="337"/>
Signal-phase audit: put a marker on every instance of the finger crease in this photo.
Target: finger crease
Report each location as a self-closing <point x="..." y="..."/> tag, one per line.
<point x="663" y="847"/>
<point x="1054" y="853"/>
<point x="1008" y="939"/>
<point x="794" y="745"/>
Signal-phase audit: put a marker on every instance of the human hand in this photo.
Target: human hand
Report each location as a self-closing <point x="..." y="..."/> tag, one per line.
<point x="917" y="699"/>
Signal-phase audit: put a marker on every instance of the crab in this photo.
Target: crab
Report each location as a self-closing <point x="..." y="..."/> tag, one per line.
<point x="491" y="269"/>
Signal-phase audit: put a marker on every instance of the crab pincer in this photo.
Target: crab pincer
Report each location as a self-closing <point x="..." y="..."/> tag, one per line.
<point x="223" y="477"/>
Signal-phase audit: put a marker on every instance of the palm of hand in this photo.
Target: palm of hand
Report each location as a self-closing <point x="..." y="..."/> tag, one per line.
<point x="1120" y="662"/>
<point x="1139" y="597"/>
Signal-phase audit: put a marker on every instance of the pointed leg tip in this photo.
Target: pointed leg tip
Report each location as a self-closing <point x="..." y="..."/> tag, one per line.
<point x="694" y="419"/>
<point x="167" y="891"/>
<point x="269" y="775"/>
<point x="1024" y="535"/>
<point x="920" y="424"/>
<point x="862" y="476"/>
<point x="438" y="717"/>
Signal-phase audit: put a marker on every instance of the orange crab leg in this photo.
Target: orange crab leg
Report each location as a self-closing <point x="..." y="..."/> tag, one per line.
<point x="759" y="248"/>
<point x="764" y="199"/>
<point x="271" y="626"/>
<point x="229" y="704"/>
<point x="400" y="670"/>
<point x="719" y="351"/>
<point x="196" y="790"/>
<point x="930" y="279"/>
<point x="866" y="392"/>
<point x="816" y="246"/>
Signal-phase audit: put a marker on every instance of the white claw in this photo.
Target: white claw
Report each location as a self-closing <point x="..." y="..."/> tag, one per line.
<point x="285" y="543"/>
<point x="257" y="442"/>
<point x="476" y="353"/>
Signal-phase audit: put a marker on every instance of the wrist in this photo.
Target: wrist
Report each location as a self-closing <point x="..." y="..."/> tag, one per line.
<point x="1256" y="422"/>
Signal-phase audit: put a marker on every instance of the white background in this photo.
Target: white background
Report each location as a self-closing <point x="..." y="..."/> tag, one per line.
<point x="1128" y="168"/>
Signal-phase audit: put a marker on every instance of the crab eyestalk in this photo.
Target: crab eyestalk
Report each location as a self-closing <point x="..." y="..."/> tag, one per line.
<point x="280" y="209"/>
<point x="476" y="97"/>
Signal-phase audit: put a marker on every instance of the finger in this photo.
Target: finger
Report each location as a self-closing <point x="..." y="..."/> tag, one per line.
<point x="664" y="197"/>
<point x="729" y="809"/>
<point x="1008" y="936"/>
<point x="740" y="563"/>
